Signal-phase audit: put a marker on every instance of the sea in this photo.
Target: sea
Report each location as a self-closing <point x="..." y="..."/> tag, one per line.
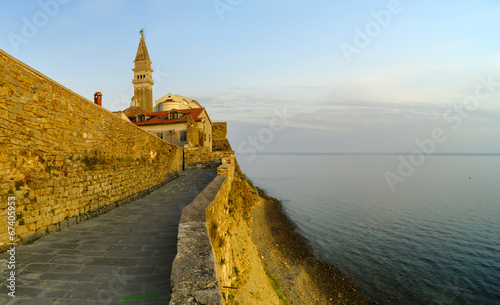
<point x="431" y="238"/>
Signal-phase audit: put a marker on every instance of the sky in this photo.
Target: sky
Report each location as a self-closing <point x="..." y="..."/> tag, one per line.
<point x="287" y="76"/>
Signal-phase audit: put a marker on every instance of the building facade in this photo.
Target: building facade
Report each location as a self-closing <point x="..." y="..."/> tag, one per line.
<point x="175" y="118"/>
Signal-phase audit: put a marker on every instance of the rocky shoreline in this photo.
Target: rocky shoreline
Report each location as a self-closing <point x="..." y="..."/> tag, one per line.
<point x="297" y="274"/>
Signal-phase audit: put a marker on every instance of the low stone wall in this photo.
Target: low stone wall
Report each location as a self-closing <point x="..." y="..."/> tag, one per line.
<point x="203" y="157"/>
<point x="66" y="159"/>
<point x="195" y="276"/>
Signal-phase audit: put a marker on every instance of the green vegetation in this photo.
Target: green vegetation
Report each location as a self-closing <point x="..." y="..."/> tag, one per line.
<point x="213" y="230"/>
<point x="127" y="158"/>
<point x="93" y="160"/>
<point x="19" y="185"/>
<point x="276" y="286"/>
<point x="221" y="241"/>
<point x="21" y="222"/>
<point x="250" y="182"/>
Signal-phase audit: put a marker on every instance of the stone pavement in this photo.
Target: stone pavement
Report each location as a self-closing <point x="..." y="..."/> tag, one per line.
<point x="121" y="257"/>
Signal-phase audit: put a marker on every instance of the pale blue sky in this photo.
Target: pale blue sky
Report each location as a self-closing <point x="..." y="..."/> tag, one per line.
<point x="268" y="57"/>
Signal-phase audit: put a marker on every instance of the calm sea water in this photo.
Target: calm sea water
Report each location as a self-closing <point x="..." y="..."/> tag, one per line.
<point x="435" y="240"/>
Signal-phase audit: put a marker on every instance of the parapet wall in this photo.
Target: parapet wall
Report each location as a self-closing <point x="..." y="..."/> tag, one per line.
<point x="195" y="275"/>
<point x="217" y="261"/>
<point x="203" y="157"/>
<point x="66" y="159"/>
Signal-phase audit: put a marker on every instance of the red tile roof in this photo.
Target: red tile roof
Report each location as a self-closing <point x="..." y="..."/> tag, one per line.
<point x="161" y="117"/>
<point x="133" y="111"/>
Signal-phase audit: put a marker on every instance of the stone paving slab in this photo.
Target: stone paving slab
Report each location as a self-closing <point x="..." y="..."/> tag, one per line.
<point x="126" y="252"/>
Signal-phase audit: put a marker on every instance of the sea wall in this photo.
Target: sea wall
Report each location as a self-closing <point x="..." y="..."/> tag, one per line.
<point x="217" y="262"/>
<point x="194" y="278"/>
<point x="66" y="159"/>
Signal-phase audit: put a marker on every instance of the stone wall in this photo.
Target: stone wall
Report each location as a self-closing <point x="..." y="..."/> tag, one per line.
<point x="219" y="130"/>
<point x="195" y="275"/>
<point x="194" y="137"/>
<point x="221" y="145"/>
<point x="203" y="157"/>
<point x="217" y="261"/>
<point x="66" y="159"/>
<point x="220" y="142"/>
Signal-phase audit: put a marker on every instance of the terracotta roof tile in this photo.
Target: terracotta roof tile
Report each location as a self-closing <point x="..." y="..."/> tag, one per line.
<point x="161" y="117"/>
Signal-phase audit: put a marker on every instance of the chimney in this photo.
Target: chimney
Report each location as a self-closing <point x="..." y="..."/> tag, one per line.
<point x="98" y="98"/>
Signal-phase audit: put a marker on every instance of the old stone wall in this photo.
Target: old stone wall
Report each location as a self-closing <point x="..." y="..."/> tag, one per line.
<point x="221" y="145"/>
<point x="195" y="273"/>
<point x="220" y="141"/>
<point x="194" y="136"/>
<point x="66" y="159"/>
<point x="217" y="261"/>
<point x="219" y="130"/>
<point x="203" y="157"/>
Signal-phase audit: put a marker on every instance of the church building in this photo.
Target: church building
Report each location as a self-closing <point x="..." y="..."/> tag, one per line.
<point x="175" y="118"/>
<point x="143" y="78"/>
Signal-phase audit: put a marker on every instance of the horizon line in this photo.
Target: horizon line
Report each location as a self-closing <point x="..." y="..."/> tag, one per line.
<point x="380" y="153"/>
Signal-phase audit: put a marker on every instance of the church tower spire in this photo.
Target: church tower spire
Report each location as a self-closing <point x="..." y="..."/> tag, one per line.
<point x="143" y="77"/>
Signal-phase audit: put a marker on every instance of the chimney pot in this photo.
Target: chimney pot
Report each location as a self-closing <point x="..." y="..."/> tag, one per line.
<point x="98" y="98"/>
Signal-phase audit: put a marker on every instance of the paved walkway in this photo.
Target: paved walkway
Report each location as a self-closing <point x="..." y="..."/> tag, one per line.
<point x="125" y="253"/>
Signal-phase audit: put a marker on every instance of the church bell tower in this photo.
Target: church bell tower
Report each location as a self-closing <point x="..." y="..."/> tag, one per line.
<point x="143" y="77"/>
